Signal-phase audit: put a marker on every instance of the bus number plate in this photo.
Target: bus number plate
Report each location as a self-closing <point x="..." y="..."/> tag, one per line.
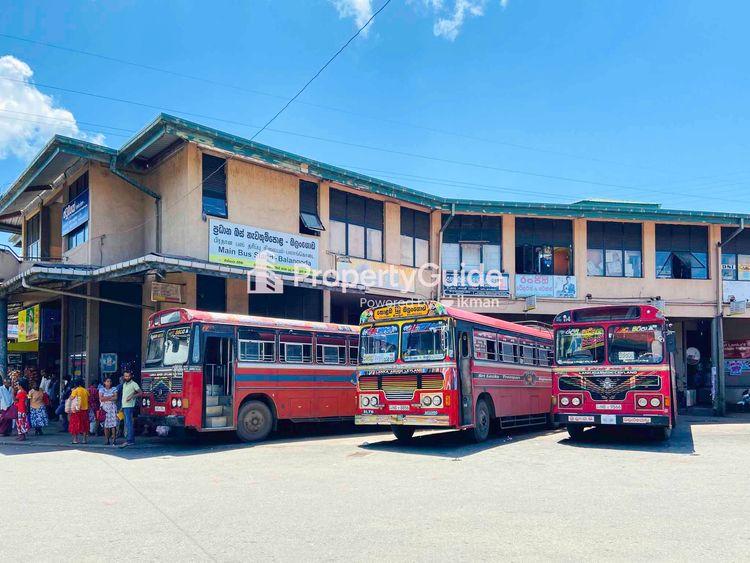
<point x="609" y="419"/>
<point x="398" y="407"/>
<point x="160" y="409"/>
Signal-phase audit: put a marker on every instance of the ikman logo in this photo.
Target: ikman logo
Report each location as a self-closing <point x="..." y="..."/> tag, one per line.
<point x="262" y="280"/>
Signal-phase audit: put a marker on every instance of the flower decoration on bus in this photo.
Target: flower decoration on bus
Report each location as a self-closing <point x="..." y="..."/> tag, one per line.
<point x="530" y="378"/>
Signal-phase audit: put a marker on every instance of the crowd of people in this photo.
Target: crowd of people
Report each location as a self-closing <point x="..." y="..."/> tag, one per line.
<point x="30" y="403"/>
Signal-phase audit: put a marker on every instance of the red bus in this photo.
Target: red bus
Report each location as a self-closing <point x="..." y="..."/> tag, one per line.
<point x="215" y="371"/>
<point x="423" y="364"/>
<point x="613" y="366"/>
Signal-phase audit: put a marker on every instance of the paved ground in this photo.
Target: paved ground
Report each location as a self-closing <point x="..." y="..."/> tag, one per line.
<point x="343" y="496"/>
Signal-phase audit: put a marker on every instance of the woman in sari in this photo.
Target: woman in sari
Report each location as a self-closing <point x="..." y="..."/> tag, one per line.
<point x="22" y="420"/>
<point x="78" y="424"/>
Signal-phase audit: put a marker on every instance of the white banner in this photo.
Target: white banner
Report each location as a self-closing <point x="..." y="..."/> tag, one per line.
<point x="546" y="286"/>
<point x="239" y="245"/>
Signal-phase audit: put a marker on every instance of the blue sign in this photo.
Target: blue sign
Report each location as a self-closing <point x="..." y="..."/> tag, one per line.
<point x="108" y="362"/>
<point x="75" y="213"/>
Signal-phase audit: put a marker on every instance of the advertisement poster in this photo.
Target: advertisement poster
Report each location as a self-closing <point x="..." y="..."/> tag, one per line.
<point x="737" y="349"/>
<point x="166" y="292"/>
<point x="546" y="286"/>
<point x="28" y="324"/>
<point x="485" y="284"/>
<point x="75" y="213"/>
<point x="239" y="245"/>
<point x="740" y="290"/>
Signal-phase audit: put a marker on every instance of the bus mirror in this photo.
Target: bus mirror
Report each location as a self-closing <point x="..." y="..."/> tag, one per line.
<point x="671" y="342"/>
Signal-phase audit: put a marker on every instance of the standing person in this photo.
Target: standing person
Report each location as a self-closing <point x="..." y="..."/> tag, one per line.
<point x="7" y="408"/>
<point x="130" y="392"/>
<point x="38" y="413"/>
<point x="94" y="406"/>
<point x="46" y="381"/>
<point x="78" y="424"/>
<point x="53" y="392"/>
<point x="108" y="400"/>
<point x="22" y="397"/>
<point x="67" y="389"/>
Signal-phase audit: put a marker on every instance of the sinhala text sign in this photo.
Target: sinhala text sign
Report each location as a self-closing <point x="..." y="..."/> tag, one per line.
<point x="239" y="245"/>
<point x="545" y="286"/>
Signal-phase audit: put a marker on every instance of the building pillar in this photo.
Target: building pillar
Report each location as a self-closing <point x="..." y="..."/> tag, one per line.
<point x="326" y="305"/>
<point x="92" y="334"/>
<point x="718" y="381"/>
<point x="3" y="336"/>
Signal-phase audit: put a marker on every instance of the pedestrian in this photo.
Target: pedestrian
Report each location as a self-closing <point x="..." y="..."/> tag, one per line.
<point x="38" y="409"/>
<point x="61" y="410"/>
<point x="130" y="392"/>
<point x="108" y="400"/>
<point x="46" y="381"/>
<point x="93" y="406"/>
<point x="78" y="424"/>
<point x="53" y="392"/>
<point x="22" y="409"/>
<point x="7" y="408"/>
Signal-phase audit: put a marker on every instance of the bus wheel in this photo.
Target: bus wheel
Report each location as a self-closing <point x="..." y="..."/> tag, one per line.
<point x="482" y="422"/>
<point x="254" y="421"/>
<point x="402" y="433"/>
<point x="664" y="433"/>
<point x="575" y="431"/>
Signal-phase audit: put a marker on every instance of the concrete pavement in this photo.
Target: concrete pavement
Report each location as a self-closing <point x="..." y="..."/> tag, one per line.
<point x="342" y="496"/>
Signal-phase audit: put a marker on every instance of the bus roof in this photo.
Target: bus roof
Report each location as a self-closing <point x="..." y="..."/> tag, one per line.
<point x="182" y="315"/>
<point x="610" y="313"/>
<point x="435" y="308"/>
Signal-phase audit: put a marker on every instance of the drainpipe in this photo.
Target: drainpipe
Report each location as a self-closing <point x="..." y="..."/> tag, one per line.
<point x="145" y="190"/>
<point x="30" y="287"/>
<point x="440" y="248"/>
<point x="720" y="404"/>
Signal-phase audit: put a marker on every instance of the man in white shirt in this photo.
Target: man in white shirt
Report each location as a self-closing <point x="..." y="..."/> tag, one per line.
<point x="6" y="401"/>
<point x="45" y="382"/>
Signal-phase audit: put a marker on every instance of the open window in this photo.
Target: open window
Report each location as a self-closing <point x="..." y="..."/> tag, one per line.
<point x="295" y="348"/>
<point x="257" y="345"/>
<point x="309" y="219"/>
<point x="330" y="349"/>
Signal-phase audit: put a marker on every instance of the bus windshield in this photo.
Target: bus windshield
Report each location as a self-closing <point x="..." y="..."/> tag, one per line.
<point x="579" y="346"/>
<point x="176" y="346"/>
<point x="636" y="344"/>
<point x="378" y="344"/>
<point x="424" y="341"/>
<point x="155" y="351"/>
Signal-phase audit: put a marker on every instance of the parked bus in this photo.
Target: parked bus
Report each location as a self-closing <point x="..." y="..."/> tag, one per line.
<point x="613" y="366"/>
<point x="423" y="364"/>
<point x="216" y="371"/>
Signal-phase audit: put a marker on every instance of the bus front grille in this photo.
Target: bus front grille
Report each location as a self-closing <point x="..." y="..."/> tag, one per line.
<point x="401" y="387"/>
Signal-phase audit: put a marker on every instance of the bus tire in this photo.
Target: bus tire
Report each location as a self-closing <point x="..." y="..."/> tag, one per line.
<point x="663" y="434"/>
<point x="575" y="431"/>
<point x="402" y="433"/>
<point x="482" y="422"/>
<point x="254" y="421"/>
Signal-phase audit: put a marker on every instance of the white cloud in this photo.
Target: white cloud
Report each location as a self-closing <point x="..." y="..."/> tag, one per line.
<point x="359" y="10"/>
<point x="450" y="26"/>
<point x="450" y="14"/>
<point x="29" y="118"/>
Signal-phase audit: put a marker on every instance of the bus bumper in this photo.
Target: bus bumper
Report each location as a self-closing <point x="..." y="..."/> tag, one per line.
<point x="171" y="420"/>
<point x="612" y="420"/>
<point x="403" y="419"/>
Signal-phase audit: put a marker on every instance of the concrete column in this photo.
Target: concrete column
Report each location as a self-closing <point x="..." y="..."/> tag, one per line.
<point x="509" y="250"/>
<point x="92" y="334"/>
<point x="237" y="301"/>
<point x="392" y="233"/>
<point x="326" y="305"/>
<point x="3" y="336"/>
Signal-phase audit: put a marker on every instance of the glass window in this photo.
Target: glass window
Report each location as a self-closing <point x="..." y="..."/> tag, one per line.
<point x="363" y="218"/>
<point x="471" y="256"/>
<point x="374" y="244"/>
<point x="544" y="246"/>
<point x="729" y="267"/>
<point x="595" y="262"/>
<point x="579" y="346"/>
<point x="77" y="237"/>
<point x="337" y="238"/>
<point x="407" y="250"/>
<point x="214" y="184"/>
<point x="177" y="346"/>
<point x="527" y="354"/>
<point x="295" y="348"/>
<point x="614" y="263"/>
<point x="379" y="344"/>
<point x="415" y="235"/>
<point x="743" y="267"/>
<point x="155" y="348"/>
<point x="257" y="346"/>
<point x="32" y="235"/>
<point x="636" y="344"/>
<point x="614" y="249"/>
<point x="356" y="240"/>
<point x="310" y="223"/>
<point x="633" y="264"/>
<point x="508" y="350"/>
<point x="330" y="349"/>
<point x="424" y="341"/>
<point x="681" y="251"/>
<point x="353" y="351"/>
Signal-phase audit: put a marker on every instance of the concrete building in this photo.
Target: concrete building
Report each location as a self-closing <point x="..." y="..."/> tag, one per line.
<point x="178" y="213"/>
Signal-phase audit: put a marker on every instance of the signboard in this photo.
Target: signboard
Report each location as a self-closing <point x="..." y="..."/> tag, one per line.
<point x="239" y="245"/>
<point x="737" y="349"/>
<point x="166" y="292"/>
<point x="376" y="274"/>
<point x="108" y="362"/>
<point x="546" y="286"/>
<point x="738" y="307"/>
<point x="530" y="303"/>
<point x="75" y="213"/>
<point x="28" y="324"/>
<point x="740" y="290"/>
<point x="486" y="284"/>
<point x="401" y="311"/>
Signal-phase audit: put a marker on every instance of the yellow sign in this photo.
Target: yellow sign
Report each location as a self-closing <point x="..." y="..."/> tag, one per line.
<point x="401" y="311"/>
<point x="28" y="324"/>
<point x="166" y="292"/>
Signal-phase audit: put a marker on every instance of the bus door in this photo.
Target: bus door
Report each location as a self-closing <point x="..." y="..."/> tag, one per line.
<point x="464" y="373"/>
<point x="218" y="377"/>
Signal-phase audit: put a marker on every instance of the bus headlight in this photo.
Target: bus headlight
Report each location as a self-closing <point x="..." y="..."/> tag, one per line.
<point x="173" y="402"/>
<point x="564" y="401"/>
<point x="656" y="402"/>
<point x="365" y="401"/>
<point x="179" y="403"/>
<point x="427" y="400"/>
<point x="437" y="400"/>
<point x="576" y="401"/>
<point x="642" y="402"/>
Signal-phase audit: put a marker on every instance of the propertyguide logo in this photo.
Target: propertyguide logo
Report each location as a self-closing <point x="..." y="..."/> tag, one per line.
<point x="261" y="279"/>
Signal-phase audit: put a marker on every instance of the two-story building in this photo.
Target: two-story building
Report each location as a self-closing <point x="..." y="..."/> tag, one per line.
<point x="181" y="211"/>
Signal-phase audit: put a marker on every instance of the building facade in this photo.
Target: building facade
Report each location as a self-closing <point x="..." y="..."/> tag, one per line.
<point x="179" y="213"/>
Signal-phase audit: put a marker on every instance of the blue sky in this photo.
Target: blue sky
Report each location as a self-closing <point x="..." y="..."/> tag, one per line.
<point x="579" y="99"/>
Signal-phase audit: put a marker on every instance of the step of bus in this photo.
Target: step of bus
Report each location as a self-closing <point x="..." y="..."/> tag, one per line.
<point x="215" y="410"/>
<point x="213" y="390"/>
<point x="212" y="401"/>
<point x="216" y="421"/>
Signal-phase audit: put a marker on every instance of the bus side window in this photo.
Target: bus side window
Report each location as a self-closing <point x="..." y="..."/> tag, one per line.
<point x="353" y="351"/>
<point x="196" y="358"/>
<point x="464" y="345"/>
<point x="508" y="355"/>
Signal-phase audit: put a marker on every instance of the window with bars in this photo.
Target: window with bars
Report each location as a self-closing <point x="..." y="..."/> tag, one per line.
<point x="256" y="346"/>
<point x="682" y="252"/>
<point x="295" y="348"/>
<point x="614" y="249"/>
<point x="309" y="219"/>
<point x="415" y="237"/>
<point x="356" y="226"/>
<point x="544" y="246"/>
<point x="214" y="184"/>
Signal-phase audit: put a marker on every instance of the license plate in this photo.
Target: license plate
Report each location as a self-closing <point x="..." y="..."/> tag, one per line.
<point x="609" y="407"/>
<point x="580" y="418"/>
<point x="398" y="407"/>
<point x="636" y="419"/>
<point x="609" y="419"/>
<point x="160" y="409"/>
